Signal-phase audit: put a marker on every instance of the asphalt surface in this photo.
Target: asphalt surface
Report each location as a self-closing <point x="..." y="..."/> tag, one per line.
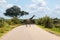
<point x="29" y="33"/>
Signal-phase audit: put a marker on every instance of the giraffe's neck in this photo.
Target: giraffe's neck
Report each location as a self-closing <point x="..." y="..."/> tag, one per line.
<point x="32" y="17"/>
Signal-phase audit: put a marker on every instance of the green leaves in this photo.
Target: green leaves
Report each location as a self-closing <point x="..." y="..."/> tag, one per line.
<point x="45" y="21"/>
<point x="15" y="11"/>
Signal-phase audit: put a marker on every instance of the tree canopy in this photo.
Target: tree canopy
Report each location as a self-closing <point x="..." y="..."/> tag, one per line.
<point x="15" y="11"/>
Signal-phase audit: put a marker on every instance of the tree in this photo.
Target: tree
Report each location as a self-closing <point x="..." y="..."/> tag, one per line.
<point x="15" y="12"/>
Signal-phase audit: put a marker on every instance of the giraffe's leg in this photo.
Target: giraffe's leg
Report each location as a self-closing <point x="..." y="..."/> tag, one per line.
<point x="29" y="25"/>
<point x="26" y="25"/>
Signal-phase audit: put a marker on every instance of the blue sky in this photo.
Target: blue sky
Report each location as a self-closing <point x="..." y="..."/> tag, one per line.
<point x="39" y="8"/>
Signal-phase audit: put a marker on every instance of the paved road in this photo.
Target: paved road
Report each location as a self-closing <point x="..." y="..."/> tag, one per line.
<point x="29" y="33"/>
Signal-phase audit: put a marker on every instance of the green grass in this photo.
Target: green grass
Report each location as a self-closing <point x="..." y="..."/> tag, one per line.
<point x="54" y="30"/>
<point x="6" y="29"/>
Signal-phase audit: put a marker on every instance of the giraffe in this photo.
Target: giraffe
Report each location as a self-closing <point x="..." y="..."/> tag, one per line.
<point x="29" y="21"/>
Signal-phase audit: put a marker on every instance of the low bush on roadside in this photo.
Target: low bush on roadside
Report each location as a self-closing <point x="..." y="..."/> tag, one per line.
<point x="7" y="24"/>
<point x="45" y="21"/>
<point x="57" y="25"/>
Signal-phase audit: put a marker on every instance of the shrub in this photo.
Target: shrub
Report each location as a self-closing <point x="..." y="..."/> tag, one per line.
<point x="1" y="22"/>
<point x="45" y="21"/>
<point x="15" y="20"/>
<point x="9" y="21"/>
<point x="57" y="25"/>
<point x="48" y="22"/>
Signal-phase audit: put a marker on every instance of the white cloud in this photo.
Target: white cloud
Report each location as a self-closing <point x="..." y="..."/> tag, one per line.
<point x="39" y="6"/>
<point x="19" y="6"/>
<point x="33" y="6"/>
<point x="36" y="4"/>
<point x="9" y="5"/>
<point x="39" y="2"/>
<point x="57" y="9"/>
<point x="5" y="6"/>
<point x="3" y="1"/>
<point x="57" y="6"/>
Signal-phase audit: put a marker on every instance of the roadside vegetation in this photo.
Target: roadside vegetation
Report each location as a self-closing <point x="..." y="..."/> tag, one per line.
<point x="49" y="24"/>
<point x="8" y="24"/>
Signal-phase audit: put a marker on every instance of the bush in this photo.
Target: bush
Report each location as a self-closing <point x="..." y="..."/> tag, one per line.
<point x="45" y="21"/>
<point x="9" y="21"/>
<point x="57" y="25"/>
<point x="1" y="22"/>
<point x="48" y="22"/>
<point x="56" y="29"/>
<point x="15" y="20"/>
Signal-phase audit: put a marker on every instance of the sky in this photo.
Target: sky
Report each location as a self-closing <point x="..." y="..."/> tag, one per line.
<point x="39" y="8"/>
